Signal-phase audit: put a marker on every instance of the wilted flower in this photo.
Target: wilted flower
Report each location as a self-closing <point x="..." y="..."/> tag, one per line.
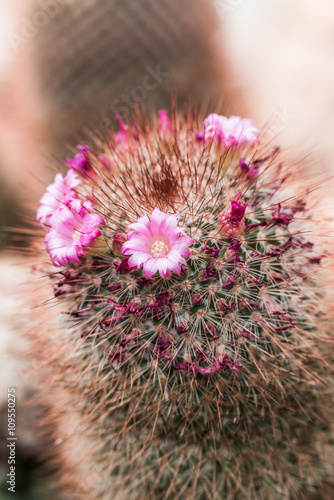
<point x="157" y="245"/>
<point x="117" y="241"/>
<point x="248" y="170"/>
<point x="72" y="229"/>
<point x="231" y="222"/>
<point x="58" y="194"/>
<point x="80" y="162"/>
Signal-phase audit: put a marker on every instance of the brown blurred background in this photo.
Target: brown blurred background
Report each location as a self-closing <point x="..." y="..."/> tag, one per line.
<point x="70" y="65"/>
<point x="67" y="66"/>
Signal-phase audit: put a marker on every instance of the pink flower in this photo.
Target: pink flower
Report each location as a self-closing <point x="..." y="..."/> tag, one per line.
<point x="157" y="245"/>
<point x="213" y="127"/>
<point x="122" y="136"/>
<point x="251" y="173"/>
<point x="57" y="194"/>
<point x="165" y="125"/>
<point x="80" y="162"/>
<point x="72" y="229"/>
<point x="127" y="137"/>
<point x="232" y="222"/>
<point x="233" y="131"/>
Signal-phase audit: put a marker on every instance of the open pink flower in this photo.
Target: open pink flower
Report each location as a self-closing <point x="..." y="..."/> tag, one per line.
<point x="233" y="131"/>
<point x="157" y="245"/>
<point x="57" y="194"/>
<point x="72" y="229"/>
<point x="213" y="127"/>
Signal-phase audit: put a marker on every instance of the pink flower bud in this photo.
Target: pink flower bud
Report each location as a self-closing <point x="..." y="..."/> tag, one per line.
<point x="197" y="299"/>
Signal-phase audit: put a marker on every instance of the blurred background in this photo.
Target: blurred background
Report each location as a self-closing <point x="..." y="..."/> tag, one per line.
<point x="66" y="68"/>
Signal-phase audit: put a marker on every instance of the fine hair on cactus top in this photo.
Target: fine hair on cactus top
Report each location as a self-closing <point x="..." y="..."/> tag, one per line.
<point x="196" y="340"/>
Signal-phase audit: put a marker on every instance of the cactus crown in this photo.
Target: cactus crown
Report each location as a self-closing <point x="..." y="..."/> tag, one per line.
<point x="188" y="361"/>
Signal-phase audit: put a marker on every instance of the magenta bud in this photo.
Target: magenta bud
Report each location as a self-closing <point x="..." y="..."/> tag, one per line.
<point x="211" y="330"/>
<point x="197" y="299"/>
<point x="114" y="287"/>
<point x="145" y="281"/>
<point x="182" y="327"/>
<point x="223" y="305"/>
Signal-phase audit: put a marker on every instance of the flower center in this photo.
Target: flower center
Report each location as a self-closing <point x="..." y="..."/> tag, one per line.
<point x="159" y="249"/>
<point x="76" y="235"/>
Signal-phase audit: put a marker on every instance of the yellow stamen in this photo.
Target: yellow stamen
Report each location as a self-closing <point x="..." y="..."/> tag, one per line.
<point x="159" y="249"/>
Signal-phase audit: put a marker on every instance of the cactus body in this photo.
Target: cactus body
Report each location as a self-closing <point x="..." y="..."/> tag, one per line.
<point x="204" y="376"/>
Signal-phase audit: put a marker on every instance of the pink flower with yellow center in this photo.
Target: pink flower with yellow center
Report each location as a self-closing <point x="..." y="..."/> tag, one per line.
<point x="58" y="194"/>
<point x="157" y="245"/>
<point x="72" y="230"/>
<point x="233" y="131"/>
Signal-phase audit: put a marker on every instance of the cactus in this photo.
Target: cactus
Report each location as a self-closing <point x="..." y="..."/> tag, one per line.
<point x="194" y="346"/>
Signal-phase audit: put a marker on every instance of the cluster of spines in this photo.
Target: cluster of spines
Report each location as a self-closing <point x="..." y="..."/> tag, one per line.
<point x="220" y="282"/>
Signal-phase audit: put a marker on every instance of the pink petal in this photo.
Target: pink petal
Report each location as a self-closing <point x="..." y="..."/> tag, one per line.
<point x="171" y="224"/>
<point x="134" y="246"/>
<point x="138" y="258"/>
<point x="174" y="266"/>
<point x="162" y="264"/>
<point x="157" y="220"/>
<point x="140" y="228"/>
<point x="150" y="267"/>
<point x="175" y="257"/>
